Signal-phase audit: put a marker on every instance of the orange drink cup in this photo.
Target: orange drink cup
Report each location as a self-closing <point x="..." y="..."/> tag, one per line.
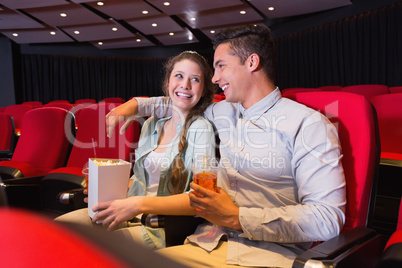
<point x="207" y="180"/>
<point x="205" y="173"/>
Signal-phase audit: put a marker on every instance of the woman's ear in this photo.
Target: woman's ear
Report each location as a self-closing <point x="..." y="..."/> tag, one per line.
<point x="253" y="61"/>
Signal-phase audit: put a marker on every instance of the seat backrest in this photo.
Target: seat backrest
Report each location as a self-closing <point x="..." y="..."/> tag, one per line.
<point x="367" y="90"/>
<point x="354" y="118"/>
<point x="395" y="90"/>
<point x="64" y="105"/>
<point x="59" y="101"/>
<point x="86" y="102"/>
<point x="293" y="90"/>
<point x="7" y="132"/>
<point x="91" y="131"/>
<point x="46" y="135"/>
<point x="330" y="88"/>
<point x="35" y="104"/>
<point x="17" y="111"/>
<point x="114" y="100"/>
<point x="389" y="112"/>
<point x="47" y="243"/>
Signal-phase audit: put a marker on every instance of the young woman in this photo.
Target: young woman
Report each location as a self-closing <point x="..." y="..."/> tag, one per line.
<point x="166" y="150"/>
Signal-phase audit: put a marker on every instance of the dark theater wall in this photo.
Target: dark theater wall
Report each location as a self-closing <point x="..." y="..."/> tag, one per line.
<point x="362" y="49"/>
<point x="350" y="45"/>
<point x="6" y="73"/>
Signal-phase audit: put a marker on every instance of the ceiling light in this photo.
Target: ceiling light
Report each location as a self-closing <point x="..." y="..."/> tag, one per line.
<point x="100" y="43"/>
<point x="242" y="12"/>
<point x="212" y="31"/>
<point x="171" y="34"/>
<point x="193" y="19"/>
<point x="100" y="3"/>
<point x="77" y="32"/>
<point x="190" y="37"/>
<point x="63" y="15"/>
<point x="138" y="40"/>
<point x="114" y="29"/>
<point x="154" y="24"/>
<point x="15" y="34"/>
<point x="145" y="12"/>
<point x="271" y="8"/>
<point x="166" y="4"/>
<point x="52" y="33"/>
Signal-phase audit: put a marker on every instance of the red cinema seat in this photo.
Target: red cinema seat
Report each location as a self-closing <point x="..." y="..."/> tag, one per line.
<point x="357" y="135"/>
<point x="43" y="145"/>
<point x="114" y="100"/>
<point x="18" y="111"/>
<point x="330" y="88"/>
<point x="389" y="113"/>
<point x="59" y="101"/>
<point x="35" y="104"/>
<point x="91" y="131"/>
<point x="367" y="90"/>
<point x="355" y="120"/>
<point x="7" y="136"/>
<point x="392" y="255"/>
<point x="395" y="90"/>
<point x="294" y="90"/>
<point x="31" y="240"/>
<point x="81" y="101"/>
<point x="64" y="105"/>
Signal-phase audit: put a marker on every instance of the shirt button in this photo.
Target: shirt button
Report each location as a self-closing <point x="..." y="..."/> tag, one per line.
<point x="232" y="184"/>
<point x="231" y="234"/>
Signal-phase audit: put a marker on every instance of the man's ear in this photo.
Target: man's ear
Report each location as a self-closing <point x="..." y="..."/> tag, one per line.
<point x="253" y="61"/>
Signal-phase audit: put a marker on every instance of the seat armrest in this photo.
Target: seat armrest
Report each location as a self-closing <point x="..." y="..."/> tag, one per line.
<point x="344" y="248"/>
<point x="74" y="196"/>
<point x="8" y="173"/>
<point x="177" y="228"/>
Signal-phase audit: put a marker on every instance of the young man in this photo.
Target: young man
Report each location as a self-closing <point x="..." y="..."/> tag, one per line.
<point x="284" y="185"/>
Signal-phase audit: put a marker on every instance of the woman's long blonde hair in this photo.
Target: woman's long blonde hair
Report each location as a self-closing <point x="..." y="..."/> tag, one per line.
<point x="178" y="172"/>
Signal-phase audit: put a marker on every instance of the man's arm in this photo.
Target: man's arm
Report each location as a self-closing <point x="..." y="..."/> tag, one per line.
<point x="141" y="107"/>
<point x="136" y="107"/>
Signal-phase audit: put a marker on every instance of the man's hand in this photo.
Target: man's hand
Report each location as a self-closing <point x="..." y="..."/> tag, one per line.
<point x="217" y="208"/>
<point x="124" y="112"/>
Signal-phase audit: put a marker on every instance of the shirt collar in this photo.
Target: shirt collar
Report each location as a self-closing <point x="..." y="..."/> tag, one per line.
<point x="161" y="122"/>
<point x="262" y="106"/>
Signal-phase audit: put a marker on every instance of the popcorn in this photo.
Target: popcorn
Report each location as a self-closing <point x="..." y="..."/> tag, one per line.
<point x="107" y="163"/>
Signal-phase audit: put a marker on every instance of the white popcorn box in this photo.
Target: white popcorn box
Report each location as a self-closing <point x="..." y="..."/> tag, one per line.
<point x="107" y="180"/>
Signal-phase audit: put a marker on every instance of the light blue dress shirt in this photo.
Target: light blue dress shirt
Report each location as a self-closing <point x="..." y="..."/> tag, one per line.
<point x="284" y="172"/>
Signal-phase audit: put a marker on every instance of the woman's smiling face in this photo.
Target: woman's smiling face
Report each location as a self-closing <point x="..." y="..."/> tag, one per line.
<point x="186" y="83"/>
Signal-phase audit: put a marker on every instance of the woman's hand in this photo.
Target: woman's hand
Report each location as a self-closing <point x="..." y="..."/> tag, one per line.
<point x="217" y="208"/>
<point x="124" y="112"/>
<point x="110" y="214"/>
<point x="86" y="193"/>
